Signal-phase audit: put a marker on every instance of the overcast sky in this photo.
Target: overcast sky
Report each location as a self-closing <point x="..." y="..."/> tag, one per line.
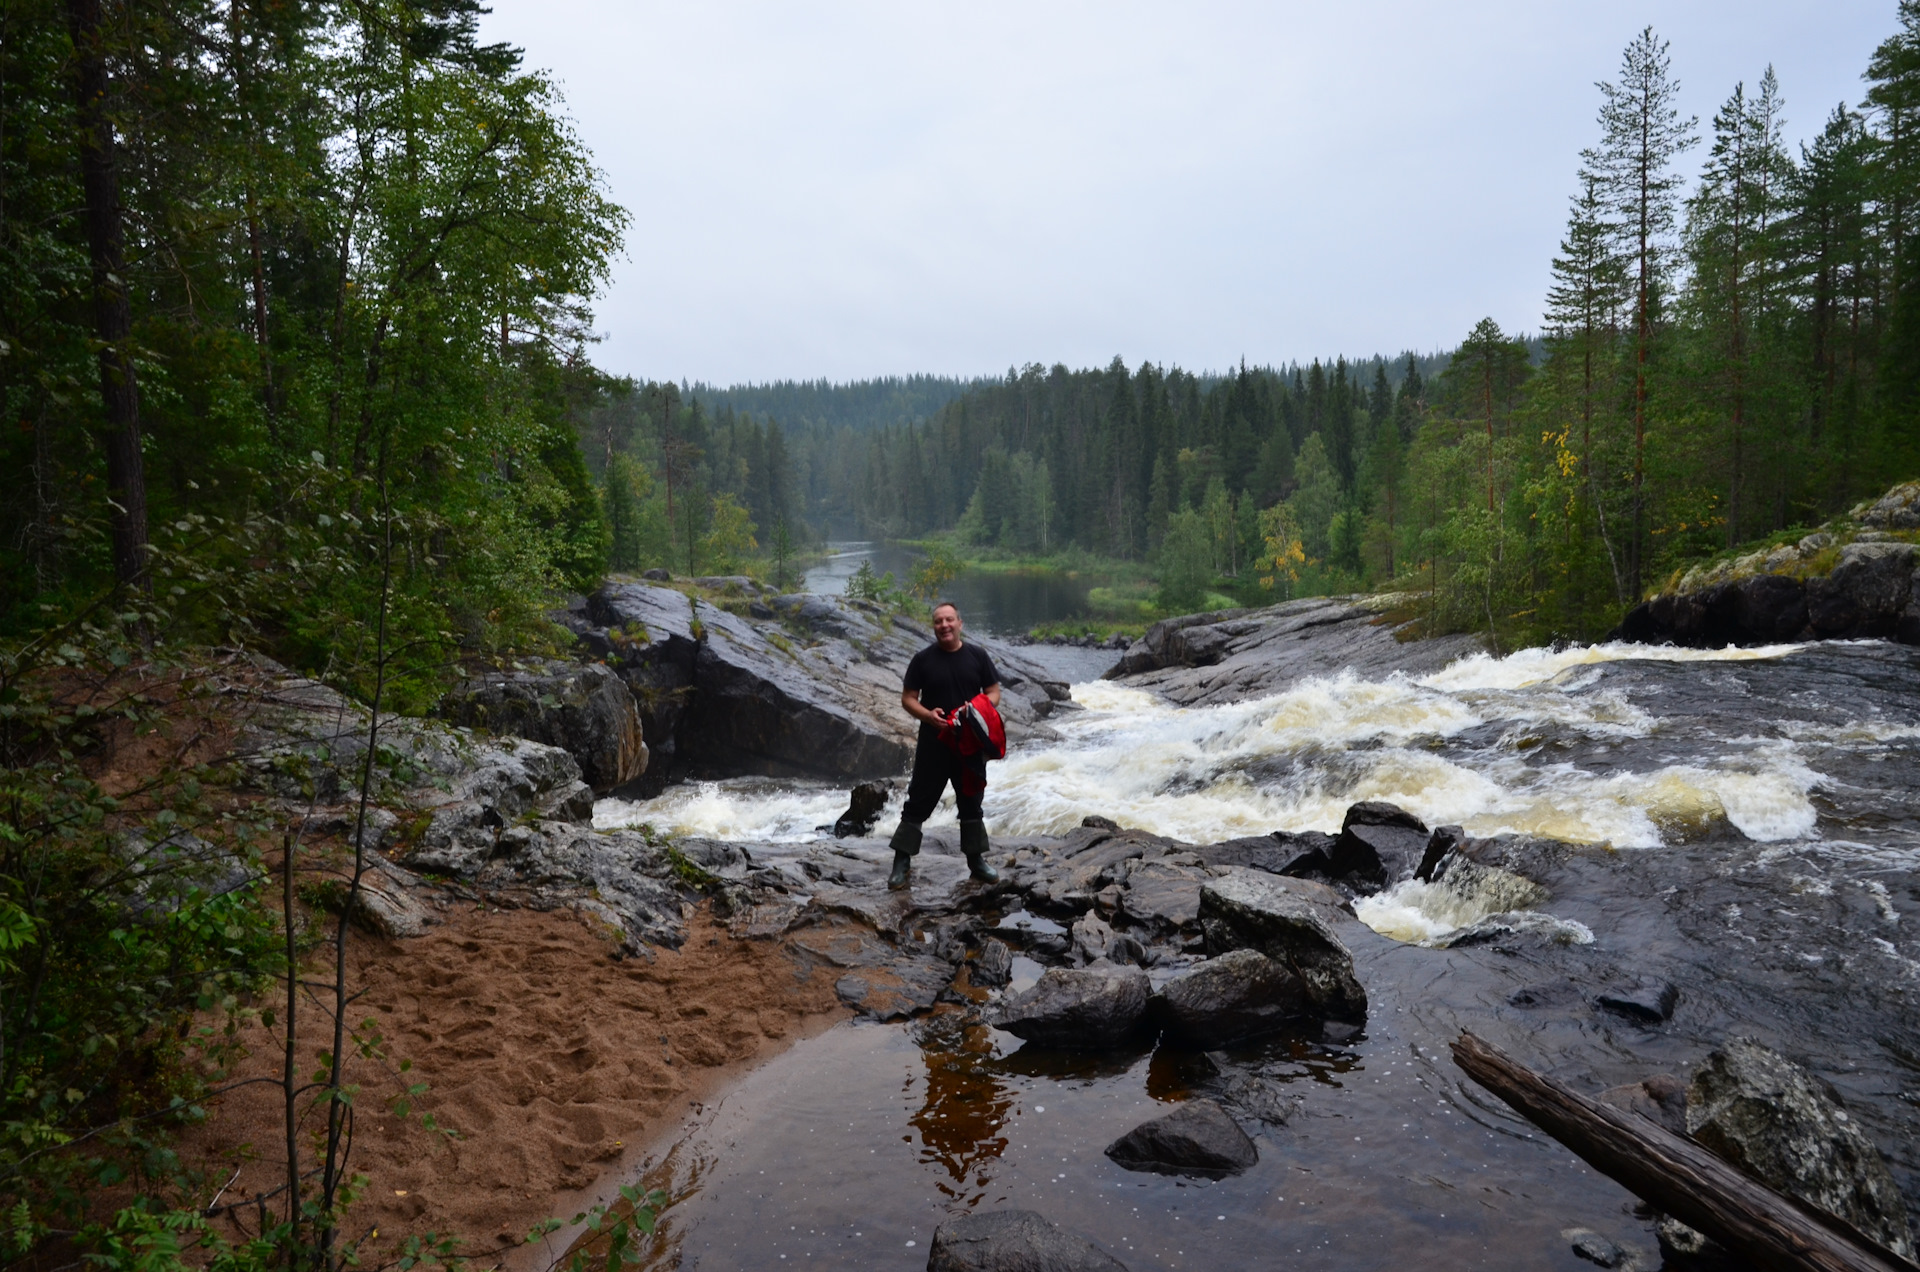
<point x="851" y="190"/>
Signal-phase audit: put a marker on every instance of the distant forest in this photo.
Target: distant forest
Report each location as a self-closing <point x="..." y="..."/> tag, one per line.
<point x="1724" y="358"/>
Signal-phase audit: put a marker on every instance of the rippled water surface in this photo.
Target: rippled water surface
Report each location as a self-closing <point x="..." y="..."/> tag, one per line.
<point x="1744" y="826"/>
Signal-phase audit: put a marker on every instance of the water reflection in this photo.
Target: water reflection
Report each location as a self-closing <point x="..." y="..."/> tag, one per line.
<point x="962" y="1121"/>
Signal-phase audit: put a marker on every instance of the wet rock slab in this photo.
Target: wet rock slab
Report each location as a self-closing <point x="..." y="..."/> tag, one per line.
<point x="1234" y="655"/>
<point x="1013" y="1241"/>
<point x="1198" y="1138"/>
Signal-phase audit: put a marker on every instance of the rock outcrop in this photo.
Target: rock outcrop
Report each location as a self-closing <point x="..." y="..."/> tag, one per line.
<point x="1853" y="579"/>
<point x="452" y="804"/>
<point x="1233" y="655"/>
<point x="1013" y="1241"/>
<point x="812" y="688"/>
<point x="1198" y="1138"/>
<point x="582" y="708"/>
<point x="1767" y="1115"/>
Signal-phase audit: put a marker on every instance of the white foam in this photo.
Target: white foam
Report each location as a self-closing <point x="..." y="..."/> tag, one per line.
<point x="1296" y="760"/>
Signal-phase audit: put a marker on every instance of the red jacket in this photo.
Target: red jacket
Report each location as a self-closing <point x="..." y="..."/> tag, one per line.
<point x="977" y="734"/>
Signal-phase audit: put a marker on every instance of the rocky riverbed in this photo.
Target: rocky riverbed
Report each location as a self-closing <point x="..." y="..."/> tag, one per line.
<point x="1612" y="862"/>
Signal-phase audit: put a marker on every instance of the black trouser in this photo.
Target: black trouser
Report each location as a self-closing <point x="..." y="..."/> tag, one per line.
<point x="934" y="765"/>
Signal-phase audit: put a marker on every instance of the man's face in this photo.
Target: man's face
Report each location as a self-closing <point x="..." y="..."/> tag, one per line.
<point x="946" y="626"/>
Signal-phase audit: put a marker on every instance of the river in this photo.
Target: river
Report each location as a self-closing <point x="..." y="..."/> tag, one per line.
<point x="1745" y="823"/>
<point x="995" y="602"/>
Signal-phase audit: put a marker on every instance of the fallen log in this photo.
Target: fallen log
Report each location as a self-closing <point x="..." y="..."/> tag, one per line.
<point x="1677" y="1176"/>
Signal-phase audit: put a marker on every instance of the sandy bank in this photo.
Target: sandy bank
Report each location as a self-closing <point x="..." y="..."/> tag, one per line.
<point x="551" y="1059"/>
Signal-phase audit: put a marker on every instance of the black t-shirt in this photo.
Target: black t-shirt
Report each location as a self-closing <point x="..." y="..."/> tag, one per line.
<point x="947" y="681"/>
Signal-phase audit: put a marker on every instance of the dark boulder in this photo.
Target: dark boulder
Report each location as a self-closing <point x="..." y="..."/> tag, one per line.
<point x="1782" y="1125"/>
<point x="1240" y="994"/>
<point x="1649" y="1001"/>
<point x="1445" y="840"/>
<point x="1013" y="1241"/>
<point x="1379" y="845"/>
<point x="1291" y="921"/>
<point x="865" y="803"/>
<point x="1094" y="821"/>
<point x="1198" y="1138"/>
<point x="1079" y="1008"/>
<point x="582" y="708"/>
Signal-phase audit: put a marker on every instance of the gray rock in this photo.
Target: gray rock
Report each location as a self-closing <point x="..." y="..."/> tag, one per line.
<point x="1085" y="1008"/>
<point x="582" y="708"/>
<point x="1234" y="655"/>
<point x="1013" y="1241"/>
<point x="1293" y="922"/>
<point x="1648" y="1001"/>
<point x="1239" y="994"/>
<point x="1379" y="844"/>
<point x="1198" y="1138"/>
<point x="1898" y="509"/>
<point x="388" y="909"/>
<point x="1283" y="852"/>
<point x="994" y="965"/>
<point x="1594" y="1248"/>
<point x="1778" y="1122"/>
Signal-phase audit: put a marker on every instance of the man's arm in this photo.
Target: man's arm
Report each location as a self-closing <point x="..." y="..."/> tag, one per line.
<point x="910" y="699"/>
<point x="993" y="695"/>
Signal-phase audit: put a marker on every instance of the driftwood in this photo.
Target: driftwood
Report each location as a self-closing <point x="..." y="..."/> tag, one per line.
<point x="1677" y="1176"/>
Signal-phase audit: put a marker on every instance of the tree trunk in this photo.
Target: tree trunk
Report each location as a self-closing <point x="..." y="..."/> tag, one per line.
<point x="112" y="312"/>
<point x="1677" y="1176"/>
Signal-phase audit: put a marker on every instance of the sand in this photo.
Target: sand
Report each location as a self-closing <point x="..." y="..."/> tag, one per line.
<point x="553" y="1061"/>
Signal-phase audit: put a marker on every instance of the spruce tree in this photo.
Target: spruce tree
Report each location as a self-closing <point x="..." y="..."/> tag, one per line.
<point x="1642" y="134"/>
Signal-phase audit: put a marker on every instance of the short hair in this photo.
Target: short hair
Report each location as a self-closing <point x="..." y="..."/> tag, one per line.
<point x="946" y="605"/>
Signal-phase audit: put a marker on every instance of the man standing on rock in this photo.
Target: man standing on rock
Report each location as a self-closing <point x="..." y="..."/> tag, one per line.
<point x="940" y="680"/>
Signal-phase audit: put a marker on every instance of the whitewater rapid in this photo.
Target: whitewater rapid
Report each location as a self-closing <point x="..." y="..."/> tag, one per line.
<point x="1460" y="746"/>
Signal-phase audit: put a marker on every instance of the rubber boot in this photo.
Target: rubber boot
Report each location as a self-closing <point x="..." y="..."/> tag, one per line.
<point x="973" y="842"/>
<point x="906" y="845"/>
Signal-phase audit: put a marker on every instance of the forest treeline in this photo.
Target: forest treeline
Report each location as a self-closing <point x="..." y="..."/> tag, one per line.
<point x="282" y="285"/>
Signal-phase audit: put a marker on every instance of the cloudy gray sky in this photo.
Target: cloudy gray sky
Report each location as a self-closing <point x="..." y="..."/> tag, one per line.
<point x="847" y="190"/>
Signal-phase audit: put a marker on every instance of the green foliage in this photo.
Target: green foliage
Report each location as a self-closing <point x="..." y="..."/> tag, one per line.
<point x="1185" y="563"/>
<point x="729" y="536"/>
<point x="933" y="574"/>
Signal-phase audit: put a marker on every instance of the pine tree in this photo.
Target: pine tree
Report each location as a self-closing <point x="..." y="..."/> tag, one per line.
<point x="1642" y="134"/>
<point x="1732" y="220"/>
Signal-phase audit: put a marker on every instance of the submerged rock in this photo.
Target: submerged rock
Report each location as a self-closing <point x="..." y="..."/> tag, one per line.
<point x="1240" y="994"/>
<point x="1648" y="1001"/>
<point x="1773" y="1119"/>
<point x="1013" y="1241"/>
<point x="1290" y="921"/>
<point x="1080" y="1008"/>
<point x="582" y="708"/>
<point x="1198" y="1138"/>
